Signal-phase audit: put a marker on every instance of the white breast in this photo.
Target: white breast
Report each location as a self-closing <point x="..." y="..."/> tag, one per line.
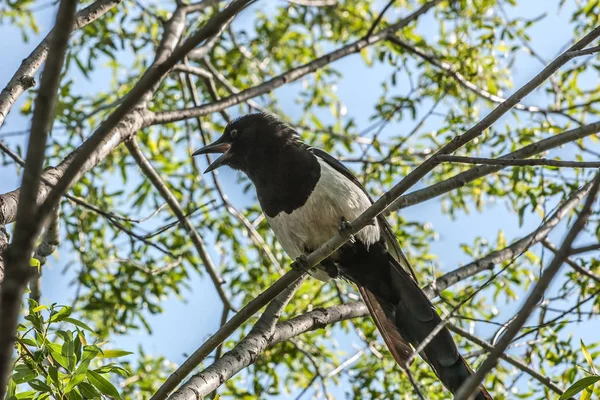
<point x="308" y="227"/>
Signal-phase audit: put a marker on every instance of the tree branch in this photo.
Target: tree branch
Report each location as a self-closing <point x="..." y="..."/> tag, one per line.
<point x="16" y="269"/>
<point x="105" y="132"/>
<point x="509" y="359"/>
<point x="509" y="252"/>
<point x="23" y="79"/>
<point x="468" y="388"/>
<point x="512" y="162"/>
<point x="244" y="353"/>
<point x="165" y="192"/>
<point x="572" y="263"/>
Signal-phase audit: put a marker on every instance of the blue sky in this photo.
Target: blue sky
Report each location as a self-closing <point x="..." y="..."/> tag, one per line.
<point x="359" y="89"/>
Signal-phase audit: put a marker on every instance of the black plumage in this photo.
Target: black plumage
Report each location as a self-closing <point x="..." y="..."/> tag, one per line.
<point x="305" y="194"/>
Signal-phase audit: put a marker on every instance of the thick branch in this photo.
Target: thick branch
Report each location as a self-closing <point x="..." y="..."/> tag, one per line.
<point x="23" y="78"/>
<point x="536" y="294"/>
<point x="16" y="269"/>
<point x="509" y="252"/>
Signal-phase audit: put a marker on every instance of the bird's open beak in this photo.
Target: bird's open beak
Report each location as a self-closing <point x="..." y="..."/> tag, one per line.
<point x="217" y="147"/>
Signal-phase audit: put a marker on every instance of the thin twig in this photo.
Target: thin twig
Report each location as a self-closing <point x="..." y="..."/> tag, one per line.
<point x="512" y="162"/>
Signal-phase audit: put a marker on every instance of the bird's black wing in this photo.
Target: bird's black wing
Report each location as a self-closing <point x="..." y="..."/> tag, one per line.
<point x="390" y="237"/>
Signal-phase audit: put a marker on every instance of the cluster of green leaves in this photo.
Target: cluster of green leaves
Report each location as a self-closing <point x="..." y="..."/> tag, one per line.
<point x="60" y="357"/>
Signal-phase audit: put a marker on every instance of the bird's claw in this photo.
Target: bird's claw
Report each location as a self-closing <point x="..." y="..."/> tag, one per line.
<point x="346" y="226"/>
<point x="301" y="264"/>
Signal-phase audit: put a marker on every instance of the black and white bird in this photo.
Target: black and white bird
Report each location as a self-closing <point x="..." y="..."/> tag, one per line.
<point x="306" y="195"/>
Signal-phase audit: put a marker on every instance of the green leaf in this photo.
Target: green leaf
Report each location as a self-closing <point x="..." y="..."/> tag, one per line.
<point x="63" y="313"/>
<point x="40" y="308"/>
<point x="579" y="386"/>
<point x="88" y="391"/>
<point x="74" y="381"/>
<point x="114" y="353"/>
<point x="103" y="385"/>
<point x="587" y="355"/>
<point x="79" y="324"/>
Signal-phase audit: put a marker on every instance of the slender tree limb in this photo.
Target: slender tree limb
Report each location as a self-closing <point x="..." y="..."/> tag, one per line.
<point x="165" y="192"/>
<point x="460" y="180"/>
<point x="509" y="252"/>
<point x="23" y="79"/>
<point x="469" y="387"/>
<point x="512" y="162"/>
<point x="585" y="52"/>
<point x="253" y="233"/>
<point x="289" y="76"/>
<point x="16" y="269"/>
<point x="379" y="17"/>
<point x="509" y="359"/>
<point x="232" y="89"/>
<point x="314" y="3"/>
<point x="585" y="249"/>
<point x="190" y="69"/>
<point x="547" y="244"/>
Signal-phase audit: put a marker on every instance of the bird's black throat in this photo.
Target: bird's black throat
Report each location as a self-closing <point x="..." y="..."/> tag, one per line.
<point x="284" y="177"/>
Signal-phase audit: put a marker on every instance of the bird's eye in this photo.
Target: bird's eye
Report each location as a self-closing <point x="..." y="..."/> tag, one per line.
<point x="233" y="133"/>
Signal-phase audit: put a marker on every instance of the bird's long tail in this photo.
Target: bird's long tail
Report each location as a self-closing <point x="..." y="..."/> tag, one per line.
<point x="404" y="315"/>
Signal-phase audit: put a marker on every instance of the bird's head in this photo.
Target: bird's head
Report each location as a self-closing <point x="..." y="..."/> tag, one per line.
<point x="248" y="141"/>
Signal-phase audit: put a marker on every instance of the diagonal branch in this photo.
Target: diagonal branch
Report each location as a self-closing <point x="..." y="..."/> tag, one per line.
<point x="23" y="78"/>
<point x="518" y="163"/>
<point x="165" y="192"/>
<point x="509" y="359"/>
<point x="509" y="252"/>
<point x="464" y="82"/>
<point x="148" y="81"/>
<point x="469" y="387"/>
<point x="245" y="352"/>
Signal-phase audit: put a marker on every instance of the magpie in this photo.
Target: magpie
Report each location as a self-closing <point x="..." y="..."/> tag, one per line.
<point x="307" y="196"/>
